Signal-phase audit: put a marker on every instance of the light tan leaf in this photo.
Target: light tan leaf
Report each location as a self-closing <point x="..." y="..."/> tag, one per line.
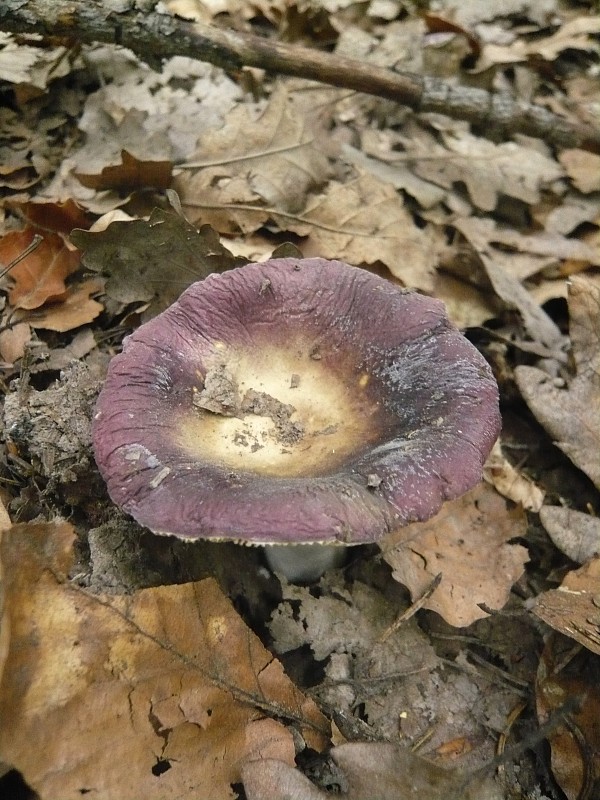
<point x="576" y="534"/>
<point x="574" y="34"/>
<point x="371" y="770"/>
<point x="13" y="341"/>
<point x="78" y="308"/>
<point x="570" y="413"/>
<point x="483" y="232"/>
<point x="583" y="168"/>
<point x="572" y="609"/>
<point x="470" y="12"/>
<point x="488" y="170"/>
<point x="508" y="288"/>
<point x="510" y="483"/>
<point x="159" y="694"/>
<point x="60" y="358"/>
<point x="467" y="542"/>
<point x="32" y="67"/>
<point x="467" y="305"/>
<point x="365" y="221"/>
<point x="272" y="161"/>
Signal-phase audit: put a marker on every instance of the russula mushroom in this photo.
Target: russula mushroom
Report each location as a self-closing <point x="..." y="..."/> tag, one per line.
<point x="297" y="401"/>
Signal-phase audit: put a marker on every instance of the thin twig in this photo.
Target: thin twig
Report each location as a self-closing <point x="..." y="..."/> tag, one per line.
<point x="411" y="610"/>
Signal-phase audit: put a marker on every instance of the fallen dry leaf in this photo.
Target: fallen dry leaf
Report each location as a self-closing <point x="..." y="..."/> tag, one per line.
<point x="31" y="68"/>
<point x="272" y="160"/>
<point x="369" y="771"/>
<point x="13" y="341"/>
<point x="41" y="275"/>
<point x="338" y="620"/>
<point x="576" y="534"/>
<point x="574" y="34"/>
<point x="58" y="217"/>
<point x="467" y="305"/>
<point x="164" y="690"/>
<point x="567" y="691"/>
<point x="510" y="483"/>
<point x="60" y="358"/>
<point x="468" y="543"/>
<point x="76" y="309"/>
<point x="488" y="170"/>
<point x="153" y="261"/>
<point x="131" y="173"/>
<point x="496" y="264"/>
<point x="573" y="608"/>
<point x="583" y="168"/>
<point x="364" y="221"/>
<point x="386" y="673"/>
<point x="570" y="413"/>
<point x="483" y="232"/>
<point x="269" y="169"/>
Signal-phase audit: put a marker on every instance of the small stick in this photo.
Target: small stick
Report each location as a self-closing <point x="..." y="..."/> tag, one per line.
<point x="411" y="610"/>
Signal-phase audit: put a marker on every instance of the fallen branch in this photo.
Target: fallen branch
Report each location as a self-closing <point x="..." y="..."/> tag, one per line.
<point x="153" y="36"/>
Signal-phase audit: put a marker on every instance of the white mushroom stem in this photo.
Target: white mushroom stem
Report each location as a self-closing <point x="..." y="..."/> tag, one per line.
<point x="304" y="563"/>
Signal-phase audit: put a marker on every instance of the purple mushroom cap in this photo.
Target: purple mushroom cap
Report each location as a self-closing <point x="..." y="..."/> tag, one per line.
<point x="294" y="401"/>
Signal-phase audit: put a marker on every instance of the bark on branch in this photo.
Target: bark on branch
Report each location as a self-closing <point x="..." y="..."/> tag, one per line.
<point x="153" y="36"/>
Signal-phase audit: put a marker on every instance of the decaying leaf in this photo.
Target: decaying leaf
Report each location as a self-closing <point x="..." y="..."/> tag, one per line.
<point x="132" y="173"/>
<point x="583" y="168"/>
<point x="76" y="309"/>
<point x="255" y="172"/>
<point x="60" y="358"/>
<point x="344" y="621"/>
<point x="369" y="771"/>
<point x="46" y="215"/>
<point x="573" y="608"/>
<point x="574" y="34"/>
<point x="164" y="690"/>
<point x="484" y="232"/>
<point x="570" y="413"/>
<point x="468" y="543"/>
<point x="153" y="261"/>
<point x="364" y="221"/>
<point x="31" y="68"/>
<point x="575" y="534"/>
<point x="41" y="275"/>
<point x="386" y="673"/>
<point x="567" y="693"/>
<point x="13" y="341"/>
<point x="510" y="482"/>
<point x="271" y="161"/>
<point x="467" y="305"/>
<point x="487" y="169"/>
<point x="509" y="289"/>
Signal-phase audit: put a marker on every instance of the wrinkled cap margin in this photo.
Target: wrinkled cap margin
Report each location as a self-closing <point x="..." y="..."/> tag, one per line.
<point x="294" y="401"/>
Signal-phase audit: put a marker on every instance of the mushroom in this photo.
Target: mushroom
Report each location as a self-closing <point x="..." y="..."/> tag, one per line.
<point x="295" y="401"/>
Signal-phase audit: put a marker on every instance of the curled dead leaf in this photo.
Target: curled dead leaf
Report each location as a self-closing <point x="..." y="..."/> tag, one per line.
<point x="367" y="771"/>
<point x="41" y="275"/>
<point x="570" y="412"/>
<point x="172" y="674"/>
<point x="75" y="309"/>
<point x="576" y="534"/>
<point x="510" y="482"/>
<point x="131" y="173"/>
<point x="468" y="543"/>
